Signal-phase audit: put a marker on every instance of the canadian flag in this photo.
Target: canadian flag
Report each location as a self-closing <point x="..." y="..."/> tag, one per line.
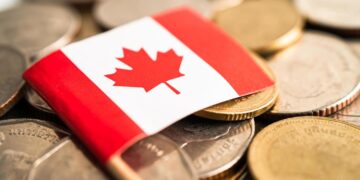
<point x="134" y="80"/>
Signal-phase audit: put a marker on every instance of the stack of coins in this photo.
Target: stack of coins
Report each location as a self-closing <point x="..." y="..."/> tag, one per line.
<point x="306" y="126"/>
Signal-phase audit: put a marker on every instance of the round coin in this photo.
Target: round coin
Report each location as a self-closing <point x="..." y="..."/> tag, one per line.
<point x="337" y="14"/>
<point x="36" y="101"/>
<point x="38" y="29"/>
<point x="12" y="65"/>
<point x="112" y="13"/>
<point x="22" y="141"/>
<point x="65" y="161"/>
<point x="214" y="147"/>
<point x="245" y="107"/>
<point x="306" y="148"/>
<point x="150" y="156"/>
<point x="317" y="76"/>
<point x="263" y="26"/>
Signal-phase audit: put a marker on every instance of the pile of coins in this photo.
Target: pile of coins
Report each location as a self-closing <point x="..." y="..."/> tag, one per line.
<point x="307" y="126"/>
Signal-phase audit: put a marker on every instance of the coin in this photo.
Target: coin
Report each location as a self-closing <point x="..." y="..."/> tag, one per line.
<point x="65" y="161"/>
<point x="22" y="141"/>
<point x="306" y="148"/>
<point x="76" y="2"/>
<point x="36" y="101"/>
<point x="12" y="64"/>
<point x="112" y="13"/>
<point x="151" y="155"/>
<point x="38" y="29"/>
<point x="214" y="147"/>
<point x="263" y="26"/>
<point x="218" y="5"/>
<point x="338" y="14"/>
<point x="355" y="45"/>
<point x="317" y="76"/>
<point x="350" y="113"/>
<point x="245" y="107"/>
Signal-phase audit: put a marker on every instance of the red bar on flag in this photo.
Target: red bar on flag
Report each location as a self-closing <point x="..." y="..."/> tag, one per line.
<point x="134" y="80"/>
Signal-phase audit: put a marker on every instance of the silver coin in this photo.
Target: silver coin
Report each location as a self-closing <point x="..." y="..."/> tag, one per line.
<point x="340" y="14"/>
<point x="112" y="13"/>
<point x="12" y="65"/>
<point x="36" y="101"/>
<point x="38" y="29"/>
<point x="213" y="146"/>
<point x="65" y="161"/>
<point x="157" y="157"/>
<point x="22" y="141"/>
<point x="317" y="76"/>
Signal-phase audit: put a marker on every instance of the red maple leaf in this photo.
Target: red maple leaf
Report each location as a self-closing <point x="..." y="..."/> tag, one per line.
<point x="145" y="72"/>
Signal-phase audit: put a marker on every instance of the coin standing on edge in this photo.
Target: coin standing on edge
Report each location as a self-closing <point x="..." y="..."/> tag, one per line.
<point x="36" y="101"/>
<point x="112" y="13"/>
<point x="245" y="107"/>
<point x="22" y="141"/>
<point x="12" y="65"/>
<point x="214" y="147"/>
<point x="263" y="26"/>
<point x="157" y="157"/>
<point x="65" y="160"/>
<point x="306" y="148"/>
<point x="38" y="29"/>
<point x="317" y="76"/>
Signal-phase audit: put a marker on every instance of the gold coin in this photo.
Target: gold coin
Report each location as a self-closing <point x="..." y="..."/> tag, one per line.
<point x="245" y="107"/>
<point x="263" y="26"/>
<point x="306" y="147"/>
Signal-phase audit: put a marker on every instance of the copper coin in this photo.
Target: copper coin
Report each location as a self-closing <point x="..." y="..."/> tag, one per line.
<point x="317" y="76"/>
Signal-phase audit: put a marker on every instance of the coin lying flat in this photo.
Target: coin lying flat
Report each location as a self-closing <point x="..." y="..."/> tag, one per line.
<point x="245" y="107"/>
<point x="22" y="141"/>
<point x="350" y="113"/>
<point x="157" y="157"/>
<point x="36" y="101"/>
<point x="355" y="46"/>
<point x="38" y="29"/>
<point x="12" y="64"/>
<point x="306" y="148"/>
<point x="65" y="161"/>
<point x="214" y="147"/>
<point x="263" y="26"/>
<point x="318" y="76"/>
<point x="338" y="14"/>
<point x="112" y="13"/>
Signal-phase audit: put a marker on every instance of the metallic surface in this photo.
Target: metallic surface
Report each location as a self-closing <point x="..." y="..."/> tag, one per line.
<point x="12" y="64"/>
<point x="36" y="101"/>
<point x="157" y="157"/>
<point x="317" y="76"/>
<point x="262" y="26"/>
<point x="350" y="113"/>
<point x="22" y="141"/>
<point x="66" y="160"/>
<point x="38" y="29"/>
<point x="245" y="107"/>
<point x="306" y="148"/>
<point x="214" y="147"/>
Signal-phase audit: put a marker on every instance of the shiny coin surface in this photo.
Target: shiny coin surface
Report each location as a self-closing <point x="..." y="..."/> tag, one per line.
<point x="36" y="101"/>
<point x="157" y="157"/>
<point x="338" y="14"/>
<point x="306" y="148"/>
<point x="244" y="107"/>
<point x="214" y="147"/>
<point x="12" y="65"/>
<point x="263" y="26"/>
<point x="112" y="13"/>
<point x="38" y="29"/>
<point x="22" y="141"/>
<point x="350" y="113"/>
<point x="65" y="161"/>
<point x="318" y="76"/>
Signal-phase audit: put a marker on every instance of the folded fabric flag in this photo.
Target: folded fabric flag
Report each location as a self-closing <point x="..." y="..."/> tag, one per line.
<point x="132" y="81"/>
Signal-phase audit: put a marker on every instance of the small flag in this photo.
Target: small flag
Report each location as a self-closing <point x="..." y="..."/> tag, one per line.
<point x="116" y="87"/>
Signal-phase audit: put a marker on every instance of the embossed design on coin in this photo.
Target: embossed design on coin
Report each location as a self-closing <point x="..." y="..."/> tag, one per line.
<point x="36" y="101"/>
<point x="24" y="140"/>
<point x="306" y="148"/>
<point x="216" y="151"/>
<point x="318" y="76"/>
<point x="38" y="29"/>
<point x="149" y="156"/>
<point x="12" y="65"/>
<point x="65" y="161"/>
